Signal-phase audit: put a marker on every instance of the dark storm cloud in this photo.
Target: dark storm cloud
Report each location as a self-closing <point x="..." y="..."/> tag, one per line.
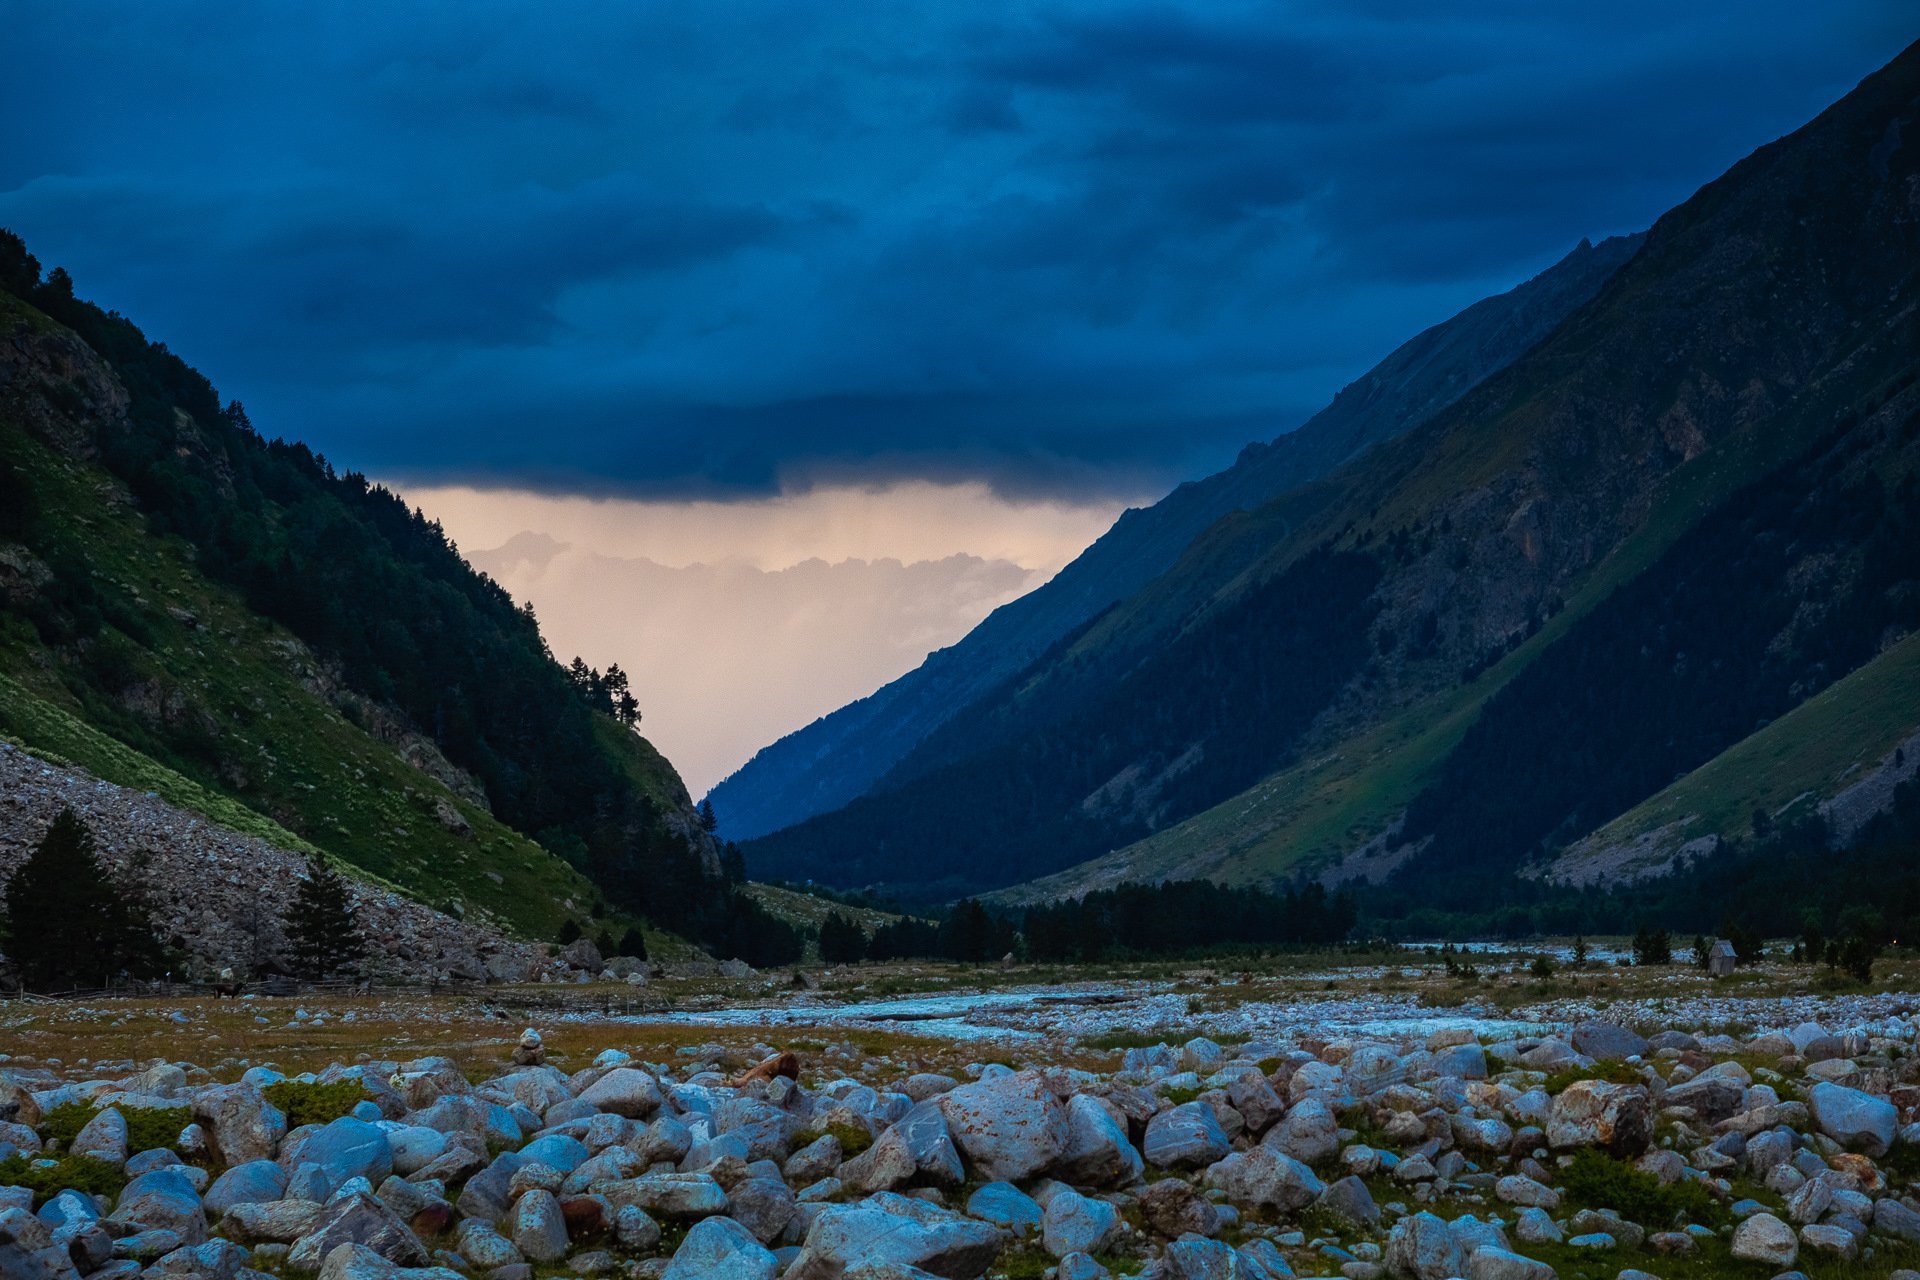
<point x="1059" y="246"/>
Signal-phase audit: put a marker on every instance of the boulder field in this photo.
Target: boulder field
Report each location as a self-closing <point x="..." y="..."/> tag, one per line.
<point x="1352" y="1157"/>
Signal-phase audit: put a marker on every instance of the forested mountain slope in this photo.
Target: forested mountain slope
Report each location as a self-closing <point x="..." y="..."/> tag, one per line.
<point x="186" y="606"/>
<point x="1684" y="512"/>
<point x="842" y="755"/>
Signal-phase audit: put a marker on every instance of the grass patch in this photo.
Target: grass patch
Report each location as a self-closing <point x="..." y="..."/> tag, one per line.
<point x="1596" y="1181"/>
<point x="314" y="1103"/>
<point x="1611" y="1072"/>
<point x="853" y="1138"/>
<point x="148" y="1128"/>
<point x="76" y="1173"/>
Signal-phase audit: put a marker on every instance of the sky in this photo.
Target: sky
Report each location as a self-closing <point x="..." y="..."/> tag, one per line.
<point x="714" y="265"/>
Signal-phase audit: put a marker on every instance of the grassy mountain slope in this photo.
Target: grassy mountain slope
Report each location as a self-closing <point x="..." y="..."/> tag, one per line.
<point x="1831" y="742"/>
<point x="1773" y="305"/>
<point x="214" y="712"/>
<point x="842" y="755"/>
<point x="187" y="608"/>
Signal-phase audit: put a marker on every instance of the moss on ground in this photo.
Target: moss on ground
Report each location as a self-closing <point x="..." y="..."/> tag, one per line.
<point x="308" y="1103"/>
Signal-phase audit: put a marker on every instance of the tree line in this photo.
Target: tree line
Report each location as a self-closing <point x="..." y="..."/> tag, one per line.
<point x="67" y="923"/>
<point x="1183" y="917"/>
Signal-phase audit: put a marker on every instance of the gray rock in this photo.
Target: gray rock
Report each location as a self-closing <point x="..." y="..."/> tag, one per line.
<point x="634" y="1229"/>
<point x="762" y="1205"/>
<point x="884" y="1167"/>
<point x="1098" y="1152"/>
<point x="1075" y="1266"/>
<point x="274" y="1221"/>
<point x="1005" y="1205"/>
<point x="1535" y="1226"/>
<point x="163" y="1200"/>
<point x="1607" y="1041"/>
<point x="1172" y="1208"/>
<point x="1892" y="1218"/>
<point x="1764" y="1238"/>
<point x="679" y="1196"/>
<point x="1503" y="1264"/>
<point x="537" y="1227"/>
<point x="1203" y="1260"/>
<point x="557" y="1151"/>
<point x="625" y="1091"/>
<point x="1465" y="1061"/>
<point x="1266" y="1178"/>
<point x="1514" y="1189"/>
<point x="345" y="1149"/>
<point x="357" y="1218"/>
<point x="1713" y="1098"/>
<point x="1075" y="1224"/>
<point x="1481" y="1133"/>
<point x="1593" y="1113"/>
<point x="66" y="1214"/>
<point x="720" y="1249"/>
<point x="1608" y="1222"/>
<point x="147" y="1246"/>
<point x="1185" y="1137"/>
<point x="1834" y="1240"/>
<point x="102" y="1138"/>
<point x="483" y="1246"/>
<point x="1009" y="1127"/>
<point x="1422" y="1247"/>
<point x="916" y="1148"/>
<point x="901" y="1271"/>
<point x="1349" y="1199"/>
<point x="892" y="1229"/>
<point x="486" y="1194"/>
<point x="253" y="1182"/>
<point x="1309" y="1133"/>
<point x="1253" y="1096"/>
<point x="242" y="1124"/>
<point x="814" y="1161"/>
<point x="358" y="1262"/>
<point x="582" y="954"/>
<point x="1856" y="1120"/>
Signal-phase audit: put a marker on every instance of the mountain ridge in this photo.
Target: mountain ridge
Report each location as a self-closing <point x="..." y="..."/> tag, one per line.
<point x="1778" y="296"/>
<point x="841" y="755"/>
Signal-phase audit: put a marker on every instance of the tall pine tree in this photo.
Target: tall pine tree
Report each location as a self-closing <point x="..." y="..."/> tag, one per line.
<point x="67" y="924"/>
<point x="842" y="941"/>
<point x="322" y="929"/>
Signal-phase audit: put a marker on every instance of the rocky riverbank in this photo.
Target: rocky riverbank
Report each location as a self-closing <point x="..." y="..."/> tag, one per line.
<point x="1599" y="1150"/>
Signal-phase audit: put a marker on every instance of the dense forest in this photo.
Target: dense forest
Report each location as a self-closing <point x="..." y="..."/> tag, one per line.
<point x="375" y="588"/>
<point x="1186" y="916"/>
<point x="1239" y="695"/>
<point x="1796" y="581"/>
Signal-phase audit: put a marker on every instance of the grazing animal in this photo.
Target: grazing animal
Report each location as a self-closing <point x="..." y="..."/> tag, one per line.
<point x="780" y="1064"/>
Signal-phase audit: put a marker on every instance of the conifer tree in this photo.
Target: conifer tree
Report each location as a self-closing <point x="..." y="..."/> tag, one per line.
<point x="842" y="941"/>
<point x="709" y="821"/>
<point x="633" y="943"/>
<point x="67" y="925"/>
<point x="322" y="929"/>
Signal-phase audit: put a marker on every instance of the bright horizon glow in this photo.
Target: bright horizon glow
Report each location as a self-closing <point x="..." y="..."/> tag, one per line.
<point x="740" y="622"/>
